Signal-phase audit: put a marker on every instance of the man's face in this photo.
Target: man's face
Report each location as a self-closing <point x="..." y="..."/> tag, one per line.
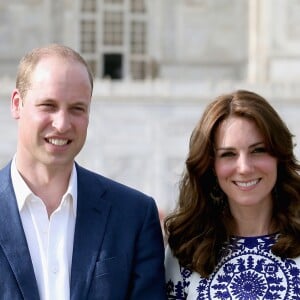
<point x="53" y="115"/>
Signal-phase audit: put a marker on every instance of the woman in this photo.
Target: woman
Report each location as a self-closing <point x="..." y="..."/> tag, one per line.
<point x="236" y="231"/>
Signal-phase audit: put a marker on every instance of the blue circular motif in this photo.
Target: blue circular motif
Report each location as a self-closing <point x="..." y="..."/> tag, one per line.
<point x="248" y="286"/>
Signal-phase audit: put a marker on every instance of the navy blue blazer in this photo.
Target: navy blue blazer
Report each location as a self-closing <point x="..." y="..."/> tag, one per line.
<point x="118" y="250"/>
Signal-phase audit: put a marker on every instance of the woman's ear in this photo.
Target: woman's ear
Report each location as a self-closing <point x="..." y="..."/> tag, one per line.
<point x="16" y="104"/>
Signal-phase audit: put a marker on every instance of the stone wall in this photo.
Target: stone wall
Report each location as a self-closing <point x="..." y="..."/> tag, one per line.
<point x="248" y="40"/>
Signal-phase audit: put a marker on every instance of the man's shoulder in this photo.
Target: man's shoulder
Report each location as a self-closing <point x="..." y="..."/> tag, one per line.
<point x="4" y="169"/>
<point x="5" y="172"/>
<point x="112" y="188"/>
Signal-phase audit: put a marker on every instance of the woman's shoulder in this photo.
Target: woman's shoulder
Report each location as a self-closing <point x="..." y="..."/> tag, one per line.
<point x="179" y="280"/>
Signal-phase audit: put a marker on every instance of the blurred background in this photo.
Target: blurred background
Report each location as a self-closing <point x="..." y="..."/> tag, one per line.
<point x="157" y="64"/>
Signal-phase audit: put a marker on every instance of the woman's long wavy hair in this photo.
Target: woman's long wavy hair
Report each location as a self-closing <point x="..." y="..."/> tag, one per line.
<point x="198" y="228"/>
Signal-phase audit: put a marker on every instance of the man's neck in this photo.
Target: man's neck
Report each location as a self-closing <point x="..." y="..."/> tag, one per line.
<point x="48" y="183"/>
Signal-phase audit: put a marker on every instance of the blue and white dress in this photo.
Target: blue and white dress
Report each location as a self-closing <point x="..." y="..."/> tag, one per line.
<point x="247" y="271"/>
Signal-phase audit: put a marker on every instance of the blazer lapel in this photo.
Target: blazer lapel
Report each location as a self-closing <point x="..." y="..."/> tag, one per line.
<point x="92" y="212"/>
<point x="12" y="238"/>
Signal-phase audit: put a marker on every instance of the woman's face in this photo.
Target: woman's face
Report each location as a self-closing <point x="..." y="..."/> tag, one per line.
<point x="246" y="172"/>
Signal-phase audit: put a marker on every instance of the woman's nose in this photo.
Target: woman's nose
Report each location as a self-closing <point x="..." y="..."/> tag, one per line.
<point x="245" y="163"/>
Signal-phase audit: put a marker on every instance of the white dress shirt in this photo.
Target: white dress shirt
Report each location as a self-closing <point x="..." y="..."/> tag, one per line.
<point x="50" y="241"/>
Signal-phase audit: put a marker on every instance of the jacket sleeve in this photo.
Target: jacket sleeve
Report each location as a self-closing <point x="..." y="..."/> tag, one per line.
<point x="148" y="278"/>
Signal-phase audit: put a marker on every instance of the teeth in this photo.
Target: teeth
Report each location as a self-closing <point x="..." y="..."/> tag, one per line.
<point x="58" y="142"/>
<point x="247" y="184"/>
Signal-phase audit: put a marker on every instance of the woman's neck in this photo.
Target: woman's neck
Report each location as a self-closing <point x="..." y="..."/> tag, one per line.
<point x="253" y="223"/>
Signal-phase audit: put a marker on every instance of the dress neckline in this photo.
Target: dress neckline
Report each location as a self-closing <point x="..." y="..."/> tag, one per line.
<point x="270" y="235"/>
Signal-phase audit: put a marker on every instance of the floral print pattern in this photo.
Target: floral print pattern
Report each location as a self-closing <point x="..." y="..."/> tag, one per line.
<point x="248" y="270"/>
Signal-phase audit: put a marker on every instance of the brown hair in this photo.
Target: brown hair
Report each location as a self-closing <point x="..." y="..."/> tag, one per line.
<point x="198" y="228"/>
<point x="31" y="59"/>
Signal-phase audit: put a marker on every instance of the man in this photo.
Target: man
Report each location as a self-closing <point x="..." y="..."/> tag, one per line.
<point x="65" y="232"/>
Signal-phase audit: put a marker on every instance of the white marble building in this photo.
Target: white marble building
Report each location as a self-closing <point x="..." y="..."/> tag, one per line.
<point x="157" y="64"/>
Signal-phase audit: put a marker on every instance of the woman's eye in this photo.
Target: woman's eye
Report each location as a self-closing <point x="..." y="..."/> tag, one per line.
<point x="227" y="154"/>
<point x="260" y="150"/>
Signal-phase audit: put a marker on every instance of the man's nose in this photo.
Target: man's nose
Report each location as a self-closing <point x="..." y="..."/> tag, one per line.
<point x="61" y="121"/>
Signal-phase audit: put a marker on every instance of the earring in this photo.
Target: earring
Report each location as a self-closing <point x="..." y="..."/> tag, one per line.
<point x="217" y="195"/>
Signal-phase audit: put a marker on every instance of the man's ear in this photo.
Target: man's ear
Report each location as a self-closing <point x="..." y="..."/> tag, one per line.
<point x="16" y="104"/>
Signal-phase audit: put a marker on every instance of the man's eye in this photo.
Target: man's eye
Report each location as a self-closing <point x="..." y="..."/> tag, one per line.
<point x="47" y="105"/>
<point x="79" y="109"/>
